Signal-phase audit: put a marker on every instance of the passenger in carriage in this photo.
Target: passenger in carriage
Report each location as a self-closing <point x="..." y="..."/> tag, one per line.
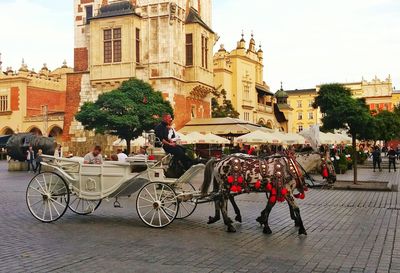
<point x="94" y="157"/>
<point x="168" y="141"/>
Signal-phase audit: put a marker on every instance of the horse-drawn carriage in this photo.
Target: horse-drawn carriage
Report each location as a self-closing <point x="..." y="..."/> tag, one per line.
<point x="81" y="187"/>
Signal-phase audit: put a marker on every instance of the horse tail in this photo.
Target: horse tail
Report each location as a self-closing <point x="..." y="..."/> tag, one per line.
<point x="208" y="174"/>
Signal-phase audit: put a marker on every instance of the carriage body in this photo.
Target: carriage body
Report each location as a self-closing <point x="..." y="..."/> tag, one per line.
<point x="81" y="187"/>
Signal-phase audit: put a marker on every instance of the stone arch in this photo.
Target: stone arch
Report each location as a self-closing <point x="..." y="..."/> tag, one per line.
<point x="7" y="131"/>
<point x="261" y="122"/>
<point x="34" y="130"/>
<point x="55" y="131"/>
<point x="269" y="124"/>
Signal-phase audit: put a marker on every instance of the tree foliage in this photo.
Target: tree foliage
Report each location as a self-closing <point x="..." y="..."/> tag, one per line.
<point x="224" y="110"/>
<point x="387" y="125"/>
<point x="125" y="112"/>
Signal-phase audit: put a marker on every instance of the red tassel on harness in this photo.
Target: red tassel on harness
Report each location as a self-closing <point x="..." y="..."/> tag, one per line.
<point x="257" y="185"/>
<point x="230" y="179"/>
<point x="325" y="172"/>
<point x="272" y="199"/>
<point x="240" y="179"/>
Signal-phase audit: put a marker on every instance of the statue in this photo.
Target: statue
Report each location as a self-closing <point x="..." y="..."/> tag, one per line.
<point x="18" y="144"/>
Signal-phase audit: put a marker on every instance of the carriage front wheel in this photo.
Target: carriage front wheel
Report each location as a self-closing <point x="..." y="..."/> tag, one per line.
<point x="157" y="205"/>
<point x="47" y="196"/>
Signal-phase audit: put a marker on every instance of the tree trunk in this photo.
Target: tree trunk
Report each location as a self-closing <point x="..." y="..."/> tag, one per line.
<point x="355" y="153"/>
<point x="128" y="145"/>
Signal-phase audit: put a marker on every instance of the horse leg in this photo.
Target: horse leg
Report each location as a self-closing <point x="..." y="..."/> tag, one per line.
<point x="224" y="210"/>
<point x="217" y="215"/>
<point x="296" y="210"/>
<point x="235" y="208"/>
<point x="261" y="219"/>
<point x="267" y="210"/>
<point x="293" y="215"/>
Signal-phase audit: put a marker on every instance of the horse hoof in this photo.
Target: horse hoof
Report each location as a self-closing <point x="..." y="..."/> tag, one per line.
<point x="212" y="220"/>
<point x="238" y="218"/>
<point x="260" y="220"/>
<point x="231" y="229"/>
<point x="302" y="231"/>
<point x="267" y="230"/>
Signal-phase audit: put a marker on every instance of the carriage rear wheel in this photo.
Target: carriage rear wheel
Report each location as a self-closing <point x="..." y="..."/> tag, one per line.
<point x="157" y="205"/>
<point x="82" y="206"/>
<point x="47" y="196"/>
<point x="186" y="205"/>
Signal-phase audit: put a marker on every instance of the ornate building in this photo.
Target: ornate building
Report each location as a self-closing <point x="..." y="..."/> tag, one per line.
<point x="240" y="73"/>
<point x="33" y="102"/>
<point x="378" y="94"/>
<point x="166" y="43"/>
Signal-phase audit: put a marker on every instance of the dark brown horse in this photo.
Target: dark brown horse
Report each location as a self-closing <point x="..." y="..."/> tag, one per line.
<point x="18" y="144"/>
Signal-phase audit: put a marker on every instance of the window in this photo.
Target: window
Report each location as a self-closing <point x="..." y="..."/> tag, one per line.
<point x="246" y="116"/>
<point x="246" y="90"/>
<point x="310" y="115"/>
<point x="193" y="111"/>
<point x="310" y="103"/>
<point x="299" y="104"/>
<point x="3" y="103"/>
<point x="137" y="45"/>
<point x="112" y="45"/>
<point x="204" y="52"/>
<point x="300" y="116"/>
<point x="300" y="128"/>
<point x="189" y="49"/>
<point x="89" y="12"/>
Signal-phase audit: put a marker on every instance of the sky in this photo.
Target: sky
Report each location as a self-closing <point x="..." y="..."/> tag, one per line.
<point x="305" y="43"/>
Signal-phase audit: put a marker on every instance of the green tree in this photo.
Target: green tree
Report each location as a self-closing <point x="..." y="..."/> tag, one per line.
<point x="224" y="110"/>
<point x="125" y="112"/>
<point x="341" y="111"/>
<point x="388" y="125"/>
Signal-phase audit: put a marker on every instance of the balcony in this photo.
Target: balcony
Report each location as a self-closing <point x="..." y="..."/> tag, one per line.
<point x="265" y="108"/>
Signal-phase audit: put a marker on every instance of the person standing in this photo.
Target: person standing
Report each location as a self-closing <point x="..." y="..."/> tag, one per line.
<point x="30" y="157"/>
<point x="376" y="158"/>
<point x="94" y="157"/>
<point x="58" y="151"/>
<point x="392" y="158"/>
<point x="121" y="156"/>
<point x="38" y="161"/>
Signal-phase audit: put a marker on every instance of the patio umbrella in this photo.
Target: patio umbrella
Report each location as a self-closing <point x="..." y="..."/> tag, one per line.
<point x="214" y="139"/>
<point x="259" y="137"/>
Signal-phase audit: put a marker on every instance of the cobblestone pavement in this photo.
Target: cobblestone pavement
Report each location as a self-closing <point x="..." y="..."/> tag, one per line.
<point x="348" y="231"/>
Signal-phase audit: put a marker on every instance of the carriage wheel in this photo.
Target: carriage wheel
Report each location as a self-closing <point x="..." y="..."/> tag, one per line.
<point x="186" y="207"/>
<point x="82" y="206"/>
<point x="157" y="205"/>
<point x="47" y="196"/>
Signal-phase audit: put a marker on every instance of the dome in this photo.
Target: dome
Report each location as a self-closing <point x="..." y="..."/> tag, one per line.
<point x="281" y="94"/>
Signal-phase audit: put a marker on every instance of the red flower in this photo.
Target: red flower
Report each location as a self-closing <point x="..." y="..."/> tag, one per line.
<point x="230" y="179"/>
<point x="238" y="189"/>
<point x="257" y="185"/>
<point x="272" y="199"/>
<point x="234" y="188"/>
<point x="269" y="187"/>
<point x="152" y="157"/>
<point x="240" y="179"/>
<point x="273" y="191"/>
<point x="284" y="191"/>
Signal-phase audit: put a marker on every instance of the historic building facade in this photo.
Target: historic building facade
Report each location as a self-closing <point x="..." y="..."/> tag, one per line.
<point x="166" y="43"/>
<point x="378" y="94"/>
<point x="240" y="73"/>
<point x="33" y="102"/>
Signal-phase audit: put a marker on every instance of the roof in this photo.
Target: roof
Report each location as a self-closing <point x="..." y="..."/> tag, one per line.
<point x="301" y="91"/>
<point x="115" y="9"/>
<point x="221" y="126"/>
<point x="396" y="92"/>
<point x="194" y="17"/>
<point x="263" y="89"/>
<point x="280" y="117"/>
<point x="281" y="94"/>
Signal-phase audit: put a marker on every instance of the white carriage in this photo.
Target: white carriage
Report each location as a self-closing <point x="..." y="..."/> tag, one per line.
<point x="70" y="183"/>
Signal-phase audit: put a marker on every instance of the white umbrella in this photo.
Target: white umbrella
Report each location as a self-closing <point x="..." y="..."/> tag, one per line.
<point x="140" y="141"/>
<point x="214" y="139"/>
<point x="196" y="137"/>
<point x="293" y="138"/>
<point x="259" y="137"/>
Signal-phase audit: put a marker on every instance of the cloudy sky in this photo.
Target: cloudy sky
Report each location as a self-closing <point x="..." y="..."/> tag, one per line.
<point x="305" y="42"/>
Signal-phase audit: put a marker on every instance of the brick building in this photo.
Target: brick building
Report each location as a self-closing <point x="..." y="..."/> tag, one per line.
<point x="33" y="102"/>
<point x="166" y="43"/>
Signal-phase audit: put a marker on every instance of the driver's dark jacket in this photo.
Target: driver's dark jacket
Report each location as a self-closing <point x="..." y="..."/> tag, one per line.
<point x="161" y="131"/>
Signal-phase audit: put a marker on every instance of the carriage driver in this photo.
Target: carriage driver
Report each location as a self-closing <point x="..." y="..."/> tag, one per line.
<point x="94" y="157"/>
<point x="168" y="144"/>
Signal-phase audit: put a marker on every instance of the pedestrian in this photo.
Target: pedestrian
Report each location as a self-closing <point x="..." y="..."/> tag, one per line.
<point x="58" y="151"/>
<point x="398" y="152"/>
<point x="376" y="158"/>
<point x="94" y="157"/>
<point x="392" y="158"/>
<point x="30" y="158"/>
<point x="121" y="155"/>
<point x="38" y="161"/>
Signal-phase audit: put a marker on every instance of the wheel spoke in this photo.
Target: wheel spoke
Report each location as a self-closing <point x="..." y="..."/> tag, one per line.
<point x="44" y="211"/>
<point x="184" y="206"/>
<point x="55" y="201"/>
<point x="167" y="208"/>
<point x="45" y="183"/>
<point x="155" y="191"/>
<point x="166" y="215"/>
<point x="152" y="217"/>
<point x="159" y="217"/>
<point x="40" y="185"/>
<point x="151" y="196"/>
<point x="34" y="204"/>
<point x="51" y="214"/>
<point x="162" y="190"/>
<point x="55" y="209"/>
<point x="145" y="206"/>
<point x="146" y="199"/>
<point x="146" y="213"/>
